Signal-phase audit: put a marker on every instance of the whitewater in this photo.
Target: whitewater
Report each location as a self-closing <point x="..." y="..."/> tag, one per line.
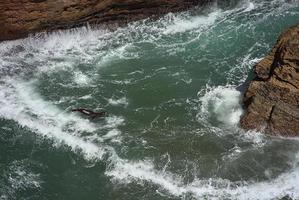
<point x="172" y="88"/>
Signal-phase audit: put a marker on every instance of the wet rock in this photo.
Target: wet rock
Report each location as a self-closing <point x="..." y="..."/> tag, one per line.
<point x="287" y="197"/>
<point x="19" y="18"/>
<point x="272" y="98"/>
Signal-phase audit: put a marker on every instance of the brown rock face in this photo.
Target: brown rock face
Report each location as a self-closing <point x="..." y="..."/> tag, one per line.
<point x="18" y="18"/>
<point x="272" y="99"/>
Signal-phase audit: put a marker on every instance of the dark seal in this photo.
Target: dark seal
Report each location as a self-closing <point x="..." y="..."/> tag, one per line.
<point x="90" y="113"/>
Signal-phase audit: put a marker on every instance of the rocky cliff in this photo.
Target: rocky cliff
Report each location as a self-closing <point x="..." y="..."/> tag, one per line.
<point x="272" y="99"/>
<point x="18" y="18"/>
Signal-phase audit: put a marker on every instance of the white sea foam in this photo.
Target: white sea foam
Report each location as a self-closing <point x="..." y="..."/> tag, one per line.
<point x="89" y="96"/>
<point x="81" y="79"/>
<point x="73" y="42"/>
<point x="113" y="122"/>
<point x="249" y="6"/>
<point x="222" y="103"/>
<point x="22" y="104"/>
<point x="232" y="154"/>
<point x="115" y="102"/>
<point x="20" y="178"/>
<point x="17" y="177"/>
<point x="214" y="188"/>
<point x="126" y="172"/>
<point x="258" y="139"/>
<point x="111" y="134"/>
<point x="181" y="24"/>
<point x="120" y="53"/>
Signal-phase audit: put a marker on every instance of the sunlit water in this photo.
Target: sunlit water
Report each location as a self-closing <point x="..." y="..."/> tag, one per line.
<point x="171" y="88"/>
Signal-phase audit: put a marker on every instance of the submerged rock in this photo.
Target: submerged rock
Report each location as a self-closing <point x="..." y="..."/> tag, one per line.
<point x="20" y="18"/>
<point x="272" y="99"/>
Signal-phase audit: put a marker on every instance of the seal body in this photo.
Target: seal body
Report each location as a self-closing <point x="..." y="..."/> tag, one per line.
<point x="90" y="113"/>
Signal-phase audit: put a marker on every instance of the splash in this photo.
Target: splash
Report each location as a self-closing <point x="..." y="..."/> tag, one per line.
<point x="221" y="103"/>
<point x="181" y="25"/>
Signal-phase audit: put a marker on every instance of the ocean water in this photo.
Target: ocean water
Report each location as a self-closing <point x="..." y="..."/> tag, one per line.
<point x="172" y="89"/>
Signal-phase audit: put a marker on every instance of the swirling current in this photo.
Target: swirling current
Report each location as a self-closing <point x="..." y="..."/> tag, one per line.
<point x="171" y="90"/>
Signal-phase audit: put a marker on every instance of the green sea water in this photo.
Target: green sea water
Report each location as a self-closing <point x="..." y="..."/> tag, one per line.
<point x="172" y="89"/>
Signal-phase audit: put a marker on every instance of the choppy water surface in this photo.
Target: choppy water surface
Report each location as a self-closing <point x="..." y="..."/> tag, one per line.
<point x="169" y="87"/>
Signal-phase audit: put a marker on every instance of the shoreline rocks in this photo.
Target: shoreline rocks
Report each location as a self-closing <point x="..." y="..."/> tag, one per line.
<point x="19" y="18"/>
<point x="272" y="98"/>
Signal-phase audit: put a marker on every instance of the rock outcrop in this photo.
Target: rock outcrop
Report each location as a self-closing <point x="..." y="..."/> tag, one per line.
<point x="18" y="18"/>
<point x="272" y="99"/>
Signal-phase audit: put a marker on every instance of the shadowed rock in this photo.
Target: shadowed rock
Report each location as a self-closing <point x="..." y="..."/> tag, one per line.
<point x="272" y="99"/>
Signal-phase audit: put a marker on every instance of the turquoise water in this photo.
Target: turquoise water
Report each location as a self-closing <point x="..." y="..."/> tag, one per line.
<point x="170" y="88"/>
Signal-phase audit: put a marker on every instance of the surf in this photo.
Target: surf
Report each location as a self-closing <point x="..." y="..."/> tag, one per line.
<point x="171" y="89"/>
